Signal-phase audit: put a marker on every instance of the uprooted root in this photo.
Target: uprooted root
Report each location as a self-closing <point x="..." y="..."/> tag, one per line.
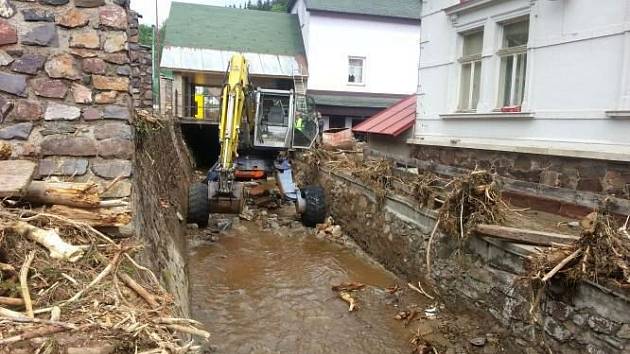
<point x="601" y="253"/>
<point x="104" y="294"/>
<point x="473" y="199"/>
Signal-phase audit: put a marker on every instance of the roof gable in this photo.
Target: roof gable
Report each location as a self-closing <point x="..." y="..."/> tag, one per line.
<point x="222" y="28"/>
<point x="404" y="9"/>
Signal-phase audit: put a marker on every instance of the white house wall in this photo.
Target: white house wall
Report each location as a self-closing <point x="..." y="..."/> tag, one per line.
<point x="391" y="49"/>
<point x="300" y="9"/>
<point x="578" y="69"/>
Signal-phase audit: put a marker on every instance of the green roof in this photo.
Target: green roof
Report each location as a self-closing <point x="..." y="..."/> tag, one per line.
<point x="223" y="28"/>
<point x="407" y="9"/>
<point x="353" y="101"/>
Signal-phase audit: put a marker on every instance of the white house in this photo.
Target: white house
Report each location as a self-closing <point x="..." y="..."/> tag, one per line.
<point x="545" y="77"/>
<point x="362" y="55"/>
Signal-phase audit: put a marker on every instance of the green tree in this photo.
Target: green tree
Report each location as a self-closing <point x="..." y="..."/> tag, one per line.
<point x="145" y="34"/>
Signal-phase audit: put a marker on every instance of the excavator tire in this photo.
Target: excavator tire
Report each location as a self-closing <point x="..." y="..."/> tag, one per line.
<point x="198" y="205"/>
<point x="315" y="211"/>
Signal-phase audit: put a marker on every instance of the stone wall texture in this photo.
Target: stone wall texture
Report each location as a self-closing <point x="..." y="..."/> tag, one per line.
<point x="140" y="69"/>
<point x="65" y="79"/>
<point x="484" y="276"/>
<point x="598" y="176"/>
<point x="163" y="171"/>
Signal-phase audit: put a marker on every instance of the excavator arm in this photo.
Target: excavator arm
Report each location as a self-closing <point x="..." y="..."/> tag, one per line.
<point x="224" y="192"/>
<point x="232" y="109"/>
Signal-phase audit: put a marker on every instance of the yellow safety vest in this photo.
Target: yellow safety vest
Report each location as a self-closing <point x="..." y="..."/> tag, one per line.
<point x="299" y="124"/>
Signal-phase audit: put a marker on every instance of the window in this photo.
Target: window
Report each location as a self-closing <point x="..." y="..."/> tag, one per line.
<point x="513" y="55"/>
<point x="335" y="122"/>
<point x="471" y="71"/>
<point x="355" y="70"/>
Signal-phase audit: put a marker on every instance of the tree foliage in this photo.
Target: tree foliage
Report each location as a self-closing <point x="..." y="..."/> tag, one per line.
<point x="269" y="5"/>
<point x="145" y="34"/>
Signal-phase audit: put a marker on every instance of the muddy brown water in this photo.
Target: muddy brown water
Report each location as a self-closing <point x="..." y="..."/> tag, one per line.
<point x="270" y="292"/>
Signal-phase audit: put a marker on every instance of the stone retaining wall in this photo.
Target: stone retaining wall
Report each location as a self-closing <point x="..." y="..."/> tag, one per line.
<point x="141" y="67"/>
<point x="163" y="173"/>
<point x="599" y="176"/>
<point x="65" y="88"/>
<point x="484" y="274"/>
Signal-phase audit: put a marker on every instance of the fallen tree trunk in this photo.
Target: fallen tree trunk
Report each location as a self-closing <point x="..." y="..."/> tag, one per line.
<point x="57" y="247"/>
<point x="97" y="217"/>
<point x="11" y="301"/>
<point x="83" y="195"/>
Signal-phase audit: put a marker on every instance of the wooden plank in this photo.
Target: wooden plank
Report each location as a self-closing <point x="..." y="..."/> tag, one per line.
<point x="526" y="236"/>
<point x="15" y="176"/>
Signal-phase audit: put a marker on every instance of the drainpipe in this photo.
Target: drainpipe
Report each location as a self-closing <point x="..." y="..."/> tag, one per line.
<point x="155" y="72"/>
<point x="419" y="92"/>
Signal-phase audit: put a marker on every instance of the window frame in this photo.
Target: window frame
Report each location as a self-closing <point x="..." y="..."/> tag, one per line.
<point x="363" y="61"/>
<point x="472" y="60"/>
<point x="517" y="53"/>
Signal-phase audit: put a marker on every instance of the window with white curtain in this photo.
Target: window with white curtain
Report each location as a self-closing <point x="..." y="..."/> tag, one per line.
<point x="470" y="76"/>
<point x="513" y="55"/>
<point x="356" y="70"/>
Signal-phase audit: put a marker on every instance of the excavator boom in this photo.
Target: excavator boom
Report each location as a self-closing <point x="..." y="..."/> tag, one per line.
<point x="226" y="194"/>
<point x="232" y="103"/>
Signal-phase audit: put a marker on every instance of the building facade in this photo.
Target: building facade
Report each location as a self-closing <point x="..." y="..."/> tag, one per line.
<point x="200" y="41"/>
<point x="530" y="76"/>
<point x="361" y="58"/>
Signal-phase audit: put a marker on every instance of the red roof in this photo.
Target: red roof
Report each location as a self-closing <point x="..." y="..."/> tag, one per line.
<point x="392" y="121"/>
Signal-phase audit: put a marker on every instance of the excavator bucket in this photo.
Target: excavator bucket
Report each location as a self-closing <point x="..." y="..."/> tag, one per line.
<point x="221" y="203"/>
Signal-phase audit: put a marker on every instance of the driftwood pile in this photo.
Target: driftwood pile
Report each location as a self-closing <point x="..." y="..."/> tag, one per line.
<point x="473" y="199"/>
<point x="62" y="278"/>
<point x="601" y="254"/>
<point x="462" y="202"/>
<point x="63" y="275"/>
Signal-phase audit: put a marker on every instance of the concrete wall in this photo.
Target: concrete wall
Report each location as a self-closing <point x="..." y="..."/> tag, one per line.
<point x="390" y="49"/>
<point x="391" y="146"/>
<point x="64" y="88"/>
<point x="577" y="78"/>
<point x="484" y="275"/>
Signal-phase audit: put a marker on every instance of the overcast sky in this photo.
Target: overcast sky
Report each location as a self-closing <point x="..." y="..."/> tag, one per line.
<point x="147" y="7"/>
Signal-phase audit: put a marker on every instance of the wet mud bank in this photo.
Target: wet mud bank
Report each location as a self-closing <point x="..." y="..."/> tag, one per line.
<point x="482" y="276"/>
<point x="163" y="172"/>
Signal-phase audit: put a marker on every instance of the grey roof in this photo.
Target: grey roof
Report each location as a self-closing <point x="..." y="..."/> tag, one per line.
<point x="404" y="9"/>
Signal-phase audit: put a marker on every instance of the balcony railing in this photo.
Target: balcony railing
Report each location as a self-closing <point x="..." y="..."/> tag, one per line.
<point x="198" y="108"/>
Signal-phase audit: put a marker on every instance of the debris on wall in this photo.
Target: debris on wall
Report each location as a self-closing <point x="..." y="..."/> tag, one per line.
<point x="394" y="210"/>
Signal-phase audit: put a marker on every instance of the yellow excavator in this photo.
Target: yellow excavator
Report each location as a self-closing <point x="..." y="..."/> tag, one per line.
<point x="257" y="129"/>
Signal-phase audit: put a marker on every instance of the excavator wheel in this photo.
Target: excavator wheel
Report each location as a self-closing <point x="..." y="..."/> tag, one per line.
<point x="198" y="205"/>
<point x="315" y="210"/>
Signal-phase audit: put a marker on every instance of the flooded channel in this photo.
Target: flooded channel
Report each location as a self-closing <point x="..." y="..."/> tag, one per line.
<point x="270" y="291"/>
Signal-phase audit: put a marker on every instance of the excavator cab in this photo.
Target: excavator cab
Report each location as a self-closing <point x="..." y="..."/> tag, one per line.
<point x="283" y="120"/>
<point x="274" y="119"/>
